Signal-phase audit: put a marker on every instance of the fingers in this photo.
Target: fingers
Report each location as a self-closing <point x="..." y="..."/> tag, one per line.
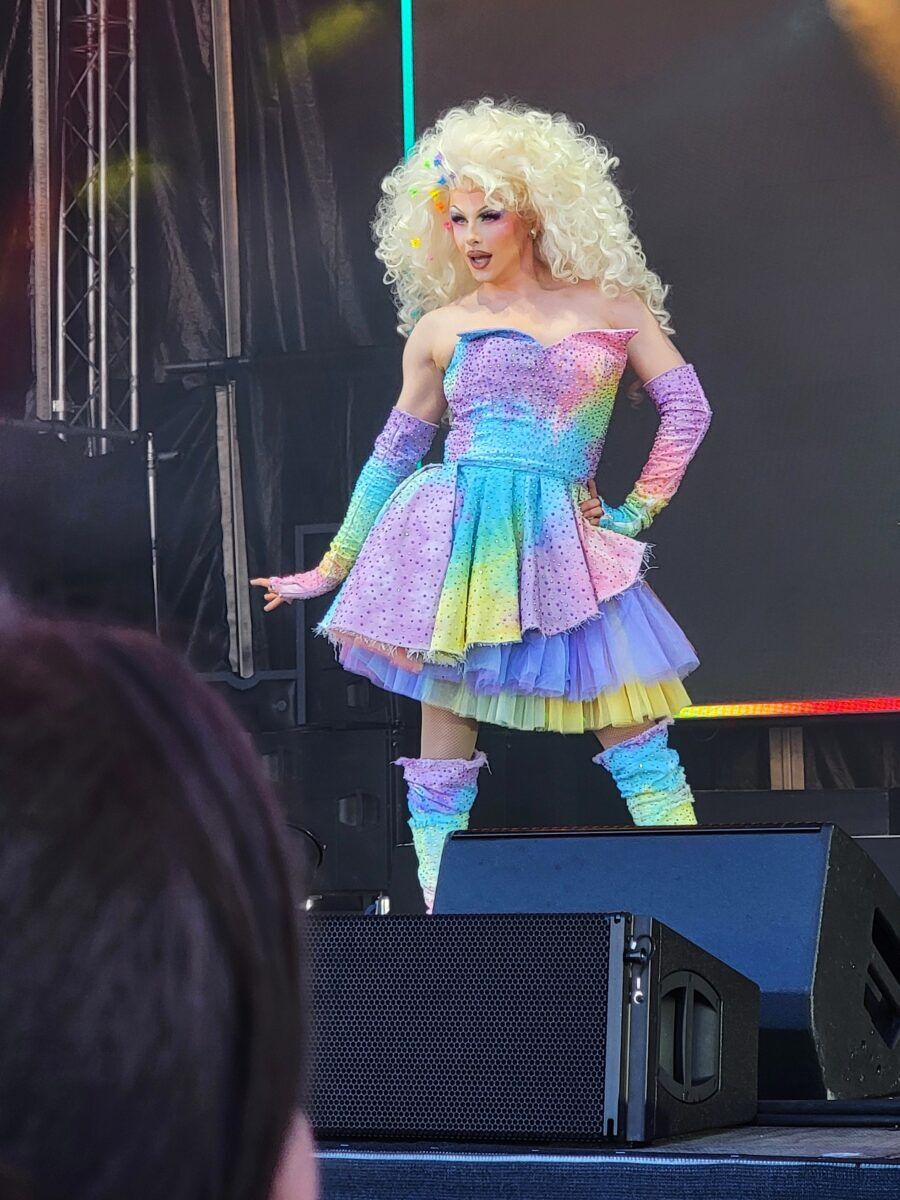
<point x="592" y="509"/>
<point x="273" y="599"/>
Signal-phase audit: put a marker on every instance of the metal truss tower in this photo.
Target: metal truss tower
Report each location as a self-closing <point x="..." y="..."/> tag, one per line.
<point x="84" y="97"/>
<point x="85" y="146"/>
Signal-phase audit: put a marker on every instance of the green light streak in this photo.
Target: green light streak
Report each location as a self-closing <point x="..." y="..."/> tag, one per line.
<point x="408" y="75"/>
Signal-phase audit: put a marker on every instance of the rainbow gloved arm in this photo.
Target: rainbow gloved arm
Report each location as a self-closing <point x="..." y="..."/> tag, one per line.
<point x="402" y="442"/>
<point x="685" y="416"/>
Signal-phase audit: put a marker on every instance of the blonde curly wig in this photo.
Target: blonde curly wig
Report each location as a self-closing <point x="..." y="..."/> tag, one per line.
<point x="544" y="167"/>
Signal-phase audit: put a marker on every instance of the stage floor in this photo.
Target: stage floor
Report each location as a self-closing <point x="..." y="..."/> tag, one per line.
<point x="789" y="1142"/>
<point x="755" y="1162"/>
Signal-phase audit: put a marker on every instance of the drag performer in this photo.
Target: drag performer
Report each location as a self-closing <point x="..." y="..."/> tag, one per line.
<point x="496" y="585"/>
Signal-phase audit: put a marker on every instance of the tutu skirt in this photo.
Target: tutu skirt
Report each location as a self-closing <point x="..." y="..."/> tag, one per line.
<point x="483" y="590"/>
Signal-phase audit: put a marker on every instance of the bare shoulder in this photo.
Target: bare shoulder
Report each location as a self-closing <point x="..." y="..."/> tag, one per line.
<point x="651" y="351"/>
<point x="629" y="310"/>
<point x="422" y="393"/>
<point x="445" y="324"/>
<point x="585" y="301"/>
<point x="420" y="338"/>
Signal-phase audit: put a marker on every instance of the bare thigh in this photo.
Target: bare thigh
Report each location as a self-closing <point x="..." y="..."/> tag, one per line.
<point x="446" y="735"/>
<point x="611" y="735"/>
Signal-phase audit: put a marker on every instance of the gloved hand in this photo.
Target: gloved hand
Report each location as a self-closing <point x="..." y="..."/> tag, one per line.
<point x="597" y="512"/>
<point x="303" y="586"/>
<point x="628" y="518"/>
<point x="685" y="416"/>
<point x="403" y="441"/>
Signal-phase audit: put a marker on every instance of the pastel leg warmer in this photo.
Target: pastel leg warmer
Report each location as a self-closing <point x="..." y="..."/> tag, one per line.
<point x="440" y="795"/>
<point x="402" y="442"/>
<point x="650" y="777"/>
<point x="685" y="416"/>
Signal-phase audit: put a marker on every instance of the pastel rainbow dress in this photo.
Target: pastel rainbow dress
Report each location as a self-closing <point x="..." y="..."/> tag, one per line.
<point x="482" y="588"/>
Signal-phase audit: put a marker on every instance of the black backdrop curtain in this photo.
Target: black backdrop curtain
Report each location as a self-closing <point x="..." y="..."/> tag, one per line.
<point x="317" y="105"/>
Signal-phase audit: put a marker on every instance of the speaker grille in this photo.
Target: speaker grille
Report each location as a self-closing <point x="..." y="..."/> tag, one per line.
<point x="467" y="1026"/>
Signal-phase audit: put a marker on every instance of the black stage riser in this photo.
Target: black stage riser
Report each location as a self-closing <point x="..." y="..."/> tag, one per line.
<point x="425" y="1172"/>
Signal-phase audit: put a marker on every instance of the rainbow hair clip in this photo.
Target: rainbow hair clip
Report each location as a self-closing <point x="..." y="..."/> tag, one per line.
<point x="448" y="175"/>
<point x="448" y="178"/>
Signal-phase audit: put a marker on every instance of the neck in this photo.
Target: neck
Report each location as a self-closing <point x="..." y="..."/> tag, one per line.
<point x="519" y="283"/>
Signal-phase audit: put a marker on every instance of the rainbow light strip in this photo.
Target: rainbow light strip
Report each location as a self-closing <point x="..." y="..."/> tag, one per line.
<point x="796" y="708"/>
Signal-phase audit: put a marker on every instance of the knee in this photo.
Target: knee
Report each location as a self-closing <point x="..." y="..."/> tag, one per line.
<point x="611" y="735"/>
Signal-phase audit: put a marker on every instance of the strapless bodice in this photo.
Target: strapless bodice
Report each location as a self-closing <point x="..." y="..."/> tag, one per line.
<point x="519" y="403"/>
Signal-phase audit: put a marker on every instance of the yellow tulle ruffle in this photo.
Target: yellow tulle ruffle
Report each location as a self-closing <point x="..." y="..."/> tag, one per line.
<point x="630" y="704"/>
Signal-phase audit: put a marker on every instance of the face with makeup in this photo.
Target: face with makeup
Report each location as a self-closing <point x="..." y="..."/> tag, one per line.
<point x="495" y="242"/>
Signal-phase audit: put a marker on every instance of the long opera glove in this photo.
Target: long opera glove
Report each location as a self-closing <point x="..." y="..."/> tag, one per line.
<point x="402" y="442"/>
<point x="685" y="417"/>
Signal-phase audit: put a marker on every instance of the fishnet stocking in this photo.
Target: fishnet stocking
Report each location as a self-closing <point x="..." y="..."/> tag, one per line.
<point x="445" y="735"/>
<point x="611" y="735"/>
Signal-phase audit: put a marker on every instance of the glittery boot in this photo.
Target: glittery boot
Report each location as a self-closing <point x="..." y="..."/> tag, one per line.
<point x="650" y="777"/>
<point x="440" y="794"/>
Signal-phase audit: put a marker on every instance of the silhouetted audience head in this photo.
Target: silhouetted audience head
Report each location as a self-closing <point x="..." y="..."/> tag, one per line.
<point x="151" y="1009"/>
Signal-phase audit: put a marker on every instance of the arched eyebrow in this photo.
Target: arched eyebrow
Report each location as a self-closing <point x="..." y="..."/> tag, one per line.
<point x="481" y="210"/>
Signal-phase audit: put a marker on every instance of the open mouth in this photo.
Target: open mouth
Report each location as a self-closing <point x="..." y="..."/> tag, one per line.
<point x="479" y="260"/>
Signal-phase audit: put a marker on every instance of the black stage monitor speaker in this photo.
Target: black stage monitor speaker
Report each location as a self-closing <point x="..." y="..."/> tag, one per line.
<point x="801" y="910"/>
<point x="578" y="1027"/>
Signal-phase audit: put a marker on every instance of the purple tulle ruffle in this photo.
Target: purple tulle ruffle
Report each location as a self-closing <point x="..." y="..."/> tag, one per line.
<point x="633" y="639"/>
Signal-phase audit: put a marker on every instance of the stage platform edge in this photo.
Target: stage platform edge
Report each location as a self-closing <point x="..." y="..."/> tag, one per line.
<point x="750" y="1163"/>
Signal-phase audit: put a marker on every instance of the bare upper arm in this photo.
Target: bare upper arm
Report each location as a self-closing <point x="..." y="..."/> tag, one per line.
<point x="650" y="351"/>
<point x="422" y="393"/>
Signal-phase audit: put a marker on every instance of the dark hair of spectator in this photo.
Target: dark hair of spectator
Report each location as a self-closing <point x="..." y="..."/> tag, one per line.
<point x="151" y="1039"/>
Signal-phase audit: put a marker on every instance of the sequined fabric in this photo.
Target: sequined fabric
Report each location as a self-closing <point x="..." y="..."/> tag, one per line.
<point x="440" y="795"/>
<point x="404" y="439"/>
<point x="482" y="588"/>
<point x="540" y="408"/>
<point x="684" y="418"/>
<point x="650" y="778"/>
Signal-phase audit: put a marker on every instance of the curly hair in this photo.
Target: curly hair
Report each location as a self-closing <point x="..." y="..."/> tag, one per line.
<point x="543" y="166"/>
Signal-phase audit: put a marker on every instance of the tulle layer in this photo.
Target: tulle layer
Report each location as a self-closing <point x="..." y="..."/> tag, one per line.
<point x="622" y="667"/>
<point x="627" y="705"/>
